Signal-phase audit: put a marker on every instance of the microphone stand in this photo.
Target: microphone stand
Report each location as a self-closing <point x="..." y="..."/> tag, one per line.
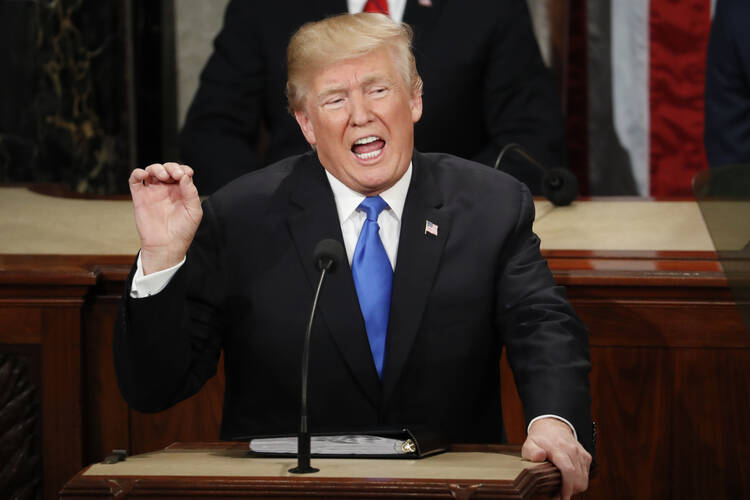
<point x="558" y="184"/>
<point x="512" y="146"/>
<point x="303" y="438"/>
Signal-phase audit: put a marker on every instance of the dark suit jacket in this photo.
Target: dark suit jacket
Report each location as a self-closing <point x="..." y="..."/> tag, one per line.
<point x="727" y="132"/>
<point x="458" y="298"/>
<point x="485" y="85"/>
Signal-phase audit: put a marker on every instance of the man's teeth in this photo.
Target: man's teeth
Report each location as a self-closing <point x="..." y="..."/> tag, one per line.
<point x="367" y="156"/>
<point x="366" y="140"/>
<point x="362" y="144"/>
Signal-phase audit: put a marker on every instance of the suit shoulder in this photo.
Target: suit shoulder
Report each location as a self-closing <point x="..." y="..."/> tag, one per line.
<point x="475" y="190"/>
<point x="451" y="170"/>
<point x="259" y="187"/>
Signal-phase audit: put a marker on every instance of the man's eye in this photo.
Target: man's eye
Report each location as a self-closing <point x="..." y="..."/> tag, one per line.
<point x="334" y="102"/>
<point x="379" y="90"/>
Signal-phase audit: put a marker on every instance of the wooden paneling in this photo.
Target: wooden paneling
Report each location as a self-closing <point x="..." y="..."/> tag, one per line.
<point x="53" y="323"/>
<point x="62" y="433"/>
<point x="513" y="417"/>
<point x="106" y="415"/>
<point x="630" y="389"/>
<point x="711" y="402"/>
<point x="670" y="373"/>
<point x="21" y="325"/>
<point x="670" y="370"/>
<point x="41" y="307"/>
<point x="669" y="323"/>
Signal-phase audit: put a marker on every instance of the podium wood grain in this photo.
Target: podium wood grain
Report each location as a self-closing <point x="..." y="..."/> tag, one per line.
<point x="223" y="470"/>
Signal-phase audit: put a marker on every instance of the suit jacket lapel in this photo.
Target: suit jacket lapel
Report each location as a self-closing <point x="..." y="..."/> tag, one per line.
<point x="312" y="219"/>
<point x="418" y="258"/>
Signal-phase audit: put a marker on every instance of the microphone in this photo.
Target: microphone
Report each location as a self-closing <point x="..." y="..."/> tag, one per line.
<point x="327" y="255"/>
<point x="557" y="184"/>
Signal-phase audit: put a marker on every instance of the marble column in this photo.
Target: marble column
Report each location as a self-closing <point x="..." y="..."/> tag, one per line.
<point x="62" y="97"/>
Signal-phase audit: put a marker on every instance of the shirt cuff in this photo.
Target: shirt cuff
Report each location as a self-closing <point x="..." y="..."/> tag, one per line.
<point x="148" y="285"/>
<point x="575" y="434"/>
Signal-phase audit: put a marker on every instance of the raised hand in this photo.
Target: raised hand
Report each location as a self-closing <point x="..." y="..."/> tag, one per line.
<point x="167" y="213"/>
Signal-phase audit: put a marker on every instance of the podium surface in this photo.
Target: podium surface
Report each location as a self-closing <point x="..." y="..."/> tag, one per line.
<point x="224" y="470"/>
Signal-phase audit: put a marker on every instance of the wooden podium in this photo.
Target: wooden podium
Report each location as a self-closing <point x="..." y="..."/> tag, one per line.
<point x="224" y="470"/>
<point x="670" y="355"/>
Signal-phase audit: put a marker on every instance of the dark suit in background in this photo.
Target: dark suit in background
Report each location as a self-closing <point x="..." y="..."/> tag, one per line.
<point x="458" y="298"/>
<point x="485" y="85"/>
<point x="727" y="132"/>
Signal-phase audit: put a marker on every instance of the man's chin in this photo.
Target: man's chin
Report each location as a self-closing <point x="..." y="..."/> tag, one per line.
<point x="374" y="185"/>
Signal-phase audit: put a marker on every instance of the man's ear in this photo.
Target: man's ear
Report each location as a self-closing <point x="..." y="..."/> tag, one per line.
<point x="416" y="106"/>
<point x="303" y="120"/>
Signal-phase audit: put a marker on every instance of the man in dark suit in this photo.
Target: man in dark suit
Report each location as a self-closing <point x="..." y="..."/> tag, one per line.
<point x="237" y="274"/>
<point x="727" y="132"/>
<point x="485" y="86"/>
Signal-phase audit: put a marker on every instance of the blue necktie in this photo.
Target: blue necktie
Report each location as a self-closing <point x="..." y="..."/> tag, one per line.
<point x="373" y="278"/>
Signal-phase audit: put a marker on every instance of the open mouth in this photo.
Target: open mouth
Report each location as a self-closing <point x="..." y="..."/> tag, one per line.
<point x="368" y="148"/>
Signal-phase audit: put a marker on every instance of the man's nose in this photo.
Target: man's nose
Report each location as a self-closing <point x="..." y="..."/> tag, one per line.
<point x="360" y="113"/>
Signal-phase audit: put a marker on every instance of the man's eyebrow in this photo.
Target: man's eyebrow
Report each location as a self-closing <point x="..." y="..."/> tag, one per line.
<point x="335" y="89"/>
<point x="364" y="82"/>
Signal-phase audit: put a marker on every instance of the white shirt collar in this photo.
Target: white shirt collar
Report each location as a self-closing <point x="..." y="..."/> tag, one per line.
<point x="395" y="8"/>
<point x="347" y="200"/>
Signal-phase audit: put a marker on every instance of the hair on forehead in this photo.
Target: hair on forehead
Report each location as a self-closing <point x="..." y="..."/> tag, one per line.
<point x="317" y="45"/>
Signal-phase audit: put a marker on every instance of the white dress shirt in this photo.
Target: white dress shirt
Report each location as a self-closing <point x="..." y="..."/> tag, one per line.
<point x="395" y="8"/>
<point x="351" y="219"/>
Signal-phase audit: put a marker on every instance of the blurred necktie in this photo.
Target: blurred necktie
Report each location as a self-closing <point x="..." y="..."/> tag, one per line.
<point x="373" y="278"/>
<point x="379" y="6"/>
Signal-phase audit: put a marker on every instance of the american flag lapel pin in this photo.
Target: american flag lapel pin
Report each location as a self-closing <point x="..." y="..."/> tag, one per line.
<point x="425" y="3"/>
<point x="430" y="228"/>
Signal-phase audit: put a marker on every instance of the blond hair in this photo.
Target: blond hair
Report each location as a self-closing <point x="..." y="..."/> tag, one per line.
<point x="318" y="44"/>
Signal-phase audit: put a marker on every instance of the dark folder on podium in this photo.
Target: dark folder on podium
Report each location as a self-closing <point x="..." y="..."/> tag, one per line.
<point x="402" y="442"/>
